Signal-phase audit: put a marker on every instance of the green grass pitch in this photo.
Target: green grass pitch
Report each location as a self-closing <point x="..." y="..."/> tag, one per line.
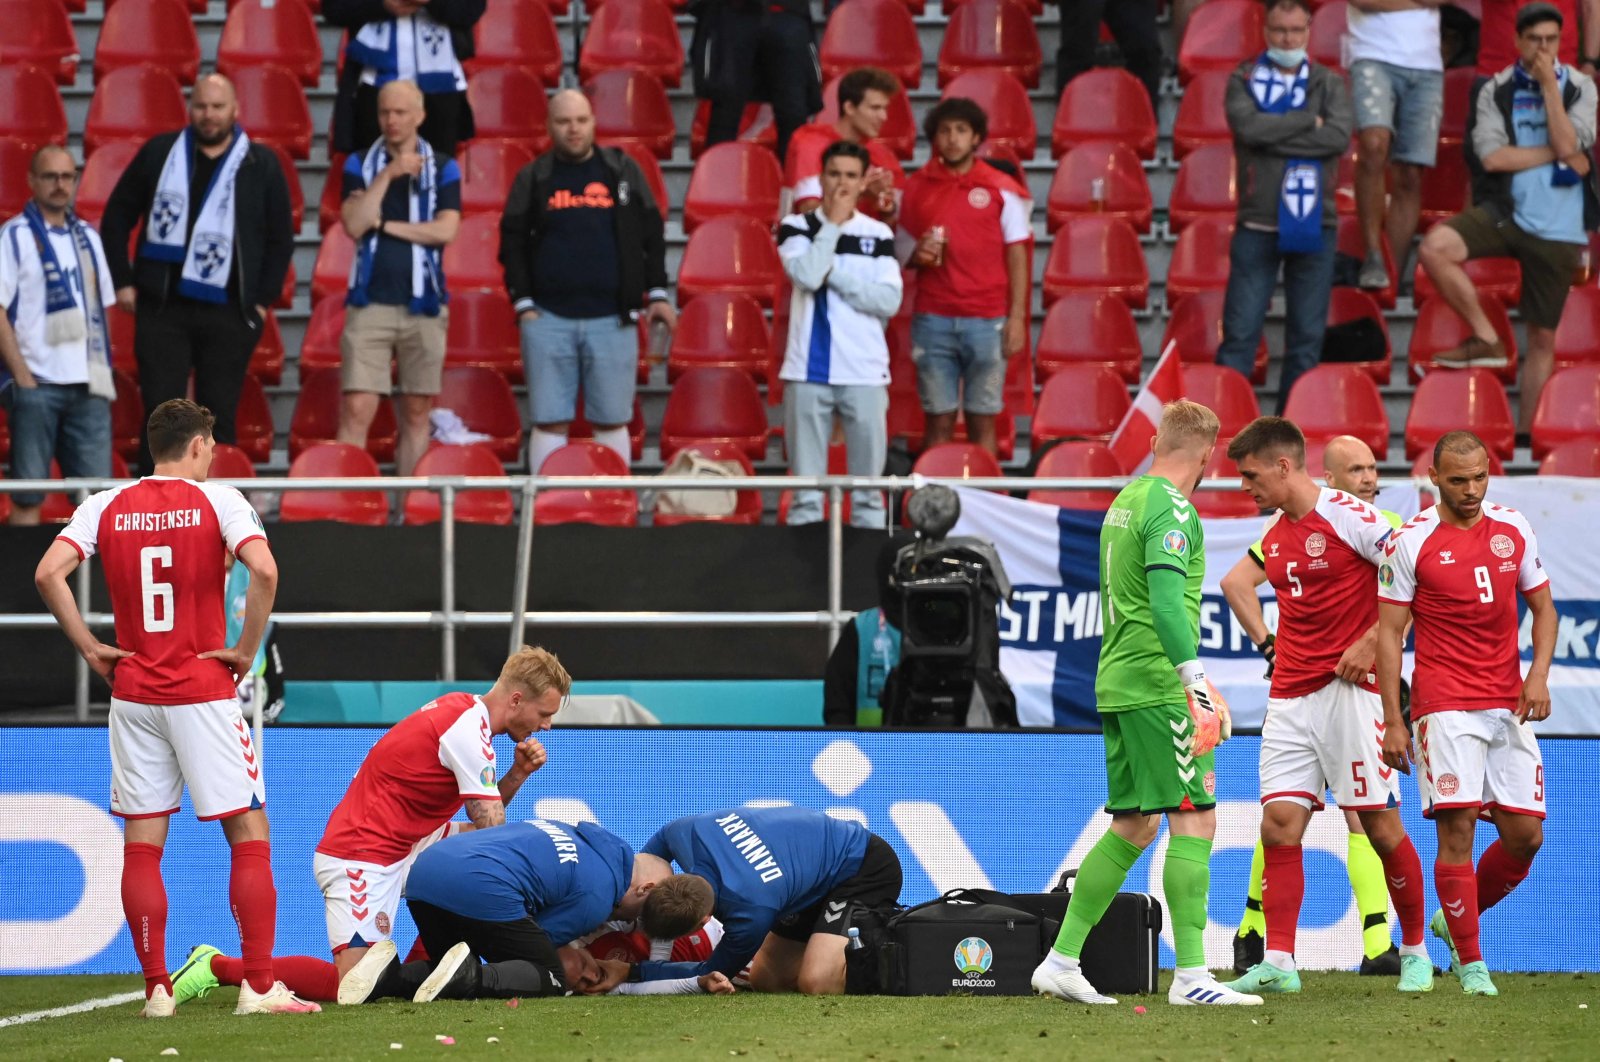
<point x="1338" y="1016"/>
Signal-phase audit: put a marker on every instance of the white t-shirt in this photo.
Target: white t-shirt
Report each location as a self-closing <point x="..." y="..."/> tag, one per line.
<point x="22" y="294"/>
<point x="1399" y="38"/>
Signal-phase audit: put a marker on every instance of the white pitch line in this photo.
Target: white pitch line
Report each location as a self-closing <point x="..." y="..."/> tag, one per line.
<point x="76" y="1008"/>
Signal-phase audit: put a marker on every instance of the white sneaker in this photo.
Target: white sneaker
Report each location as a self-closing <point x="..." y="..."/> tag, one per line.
<point x="1207" y="992"/>
<point x="159" y="1005"/>
<point x="357" y="985"/>
<point x="1068" y="984"/>
<point x="276" y="1000"/>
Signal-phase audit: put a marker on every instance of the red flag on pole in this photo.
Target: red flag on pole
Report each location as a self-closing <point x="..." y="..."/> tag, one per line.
<point x="1131" y="441"/>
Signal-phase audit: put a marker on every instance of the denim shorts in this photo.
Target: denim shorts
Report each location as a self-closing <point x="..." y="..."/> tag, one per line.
<point x="61" y="421"/>
<point x="561" y="355"/>
<point x="1408" y="103"/>
<point x="961" y="363"/>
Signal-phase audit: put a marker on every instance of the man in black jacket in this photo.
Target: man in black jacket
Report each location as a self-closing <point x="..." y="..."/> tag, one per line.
<point x="216" y="237"/>
<point x="583" y="251"/>
<point x="746" y="50"/>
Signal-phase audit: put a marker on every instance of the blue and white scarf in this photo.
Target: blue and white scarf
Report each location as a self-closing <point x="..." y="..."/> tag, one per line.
<point x="427" y="263"/>
<point x="65" y="321"/>
<point x="413" y="48"/>
<point x="1561" y="175"/>
<point x="207" y="256"/>
<point x="1300" y="197"/>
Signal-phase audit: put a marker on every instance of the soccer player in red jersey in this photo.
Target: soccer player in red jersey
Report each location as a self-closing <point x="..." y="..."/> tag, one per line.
<point x="408" y="788"/>
<point x="1455" y="569"/>
<point x="175" y="714"/>
<point x="1324" y="725"/>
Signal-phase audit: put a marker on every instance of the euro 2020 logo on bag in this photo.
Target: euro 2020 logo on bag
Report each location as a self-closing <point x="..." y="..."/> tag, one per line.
<point x="974" y="956"/>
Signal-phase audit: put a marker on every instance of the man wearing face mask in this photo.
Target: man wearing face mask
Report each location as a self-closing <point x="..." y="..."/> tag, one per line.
<point x="1291" y="120"/>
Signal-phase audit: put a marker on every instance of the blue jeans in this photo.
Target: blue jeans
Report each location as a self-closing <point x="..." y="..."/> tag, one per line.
<point x="1253" y="262"/>
<point x="63" y="421"/>
<point x="560" y="354"/>
<point x="960" y="363"/>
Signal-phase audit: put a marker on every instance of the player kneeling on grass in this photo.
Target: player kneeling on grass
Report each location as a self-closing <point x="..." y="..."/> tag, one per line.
<point x="780" y="880"/>
<point x="1456" y="570"/>
<point x="1324" y="726"/>
<point x="1157" y="712"/>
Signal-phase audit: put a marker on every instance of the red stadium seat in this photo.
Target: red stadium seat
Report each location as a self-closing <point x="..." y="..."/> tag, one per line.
<point x="1207" y="186"/>
<point x="15" y="160"/>
<point x="1079" y="459"/>
<point x="1578" y="334"/>
<point x="272" y="108"/>
<point x="39" y="33"/>
<point x="957" y="460"/>
<point x="30" y="107"/>
<point x="722" y="330"/>
<point x="332" y="193"/>
<point x="714" y="405"/>
<point x="1350" y="242"/>
<point x="1105" y="104"/>
<point x="487" y="169"/>
<point x="252" y="422"/>
<point x="483" y="333"/>
<point x="230" y="462"/>
<point x="1329" y="27"/>
<point x="1098" y="254"/>
<point x="266" y="361"/>
<point x="472" y="260"/>
<point x="1196" y="327"/>
<point x="271" y="31"/>
<point x="633" y="35"/>
<point x="1445" y="188"/>
<point x="991" y="35"/>
<point x="291" y="177"/>
<point x="631" y="107"/>
<point x="731" y="254"/>
<point x="1350" y="304"/>
<point x="1223" y="503"/>
<point x="1457" y="108"/>
<point x="876" y="33"/>
<point x="1344" y="185"/>
<point x="134" y="103"/>
<point x="756" y="125"/>
<point x="121" y="326"/>
<point x="127" y="416"/>
<point x="652" y="176"/>
<point x="1086" y="401"/>
<point x="320" y="348"/>
<point x="521" y="34"/>
<point x="1110" y="168"/>
<point x="1568" y="410"/>
<point x="1332" y="400"/>
<point x="746" y="503"/>
<point x="907" y="423"/>
<point x="1087" y="327"/>
<point x="1224" y="391"/>
<point x="1438" y="329"/>
<point x="899" y="132"/>
<point x="158" y="32"/>
<point x="734" y="178"/>
<point x="1200" y="259"/>
<point x="609" y="508"/>
<point x="508" y="103"/>
<point x="1221" y="34"/>
<point x="581" y="429"/>
<point x="483" y="400"/>
<point x="1006" y="103"/>
<point x="1580" y="457"/>
<point x="471" y="506"/>
<point x="1495" y="278"/>
<point x="100" y="175"/>
<point x="316" y="417"/>
<point x="1202" y="115"/>
<point x="330" y="274"/>
<point x="1033" y="7"/>
<point x="1473" y="399"/>
<point x="58" y="507"/>
<point x="334" y="461"/>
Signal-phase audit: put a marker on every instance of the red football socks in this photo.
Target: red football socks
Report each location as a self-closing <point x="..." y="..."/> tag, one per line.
<point x="1457" y="886"/>
<point x="1498" y="874"/>
<point x="1282" y="891"/>
<point x="255" y="909"/>
<point x="308" y="978"/>
<point x="1403" y="871"/>
<point x="144" y="902"/>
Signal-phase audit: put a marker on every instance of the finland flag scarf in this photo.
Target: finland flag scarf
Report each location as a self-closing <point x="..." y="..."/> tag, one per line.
<point x="427" y="263"/>
<point x="207" y="256"/>
<point x="65" y="322"/>
<point x="412" y="48"/>
<point x="1300" y="197"/>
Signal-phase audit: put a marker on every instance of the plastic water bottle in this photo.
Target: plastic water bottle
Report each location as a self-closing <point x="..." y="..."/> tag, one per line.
<point x="854" y="941"/>
<point x="660" y="339"/>
<point x="1097" y="194"/>
<point x="878" y="666"/>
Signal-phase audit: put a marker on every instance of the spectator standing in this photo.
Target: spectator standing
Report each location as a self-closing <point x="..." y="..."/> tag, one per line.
<point x="424" y="41"/>
<point x="864" y="95"/>
<point x="1497" y="41"/>
<point x="846" y="287"/>
<point x="583" y="250"/>
<point x="746" y="50"/>
<point x="1291" y="121"/>
<point x="965" y="226"/>
<point x="1133" y="26"/>
<point x="1397" y="84"/>
<point x="402" y="202"/>
<point x="55" y="380"/>
<point x="216" y="243"/>
<point x="1535" y="169"/>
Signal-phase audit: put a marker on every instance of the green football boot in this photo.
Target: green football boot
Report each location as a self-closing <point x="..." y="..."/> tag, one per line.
<point x="1263" y="978"/>
<point x="194" y="979"/>
<point x="1441" y="929"/>
<point x="1475" y="980"/>
<point x="1416" y="974"/>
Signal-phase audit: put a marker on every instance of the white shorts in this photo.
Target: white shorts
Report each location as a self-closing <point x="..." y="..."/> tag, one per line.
<point x="1331" y="739"/>
<point x="361" y="900"/>
<point x="1479" y="759"/>
<point x="157" y="748"/>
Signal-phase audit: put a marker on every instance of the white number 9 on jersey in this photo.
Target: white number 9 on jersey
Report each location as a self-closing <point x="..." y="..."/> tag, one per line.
<point x="151" y="592"/>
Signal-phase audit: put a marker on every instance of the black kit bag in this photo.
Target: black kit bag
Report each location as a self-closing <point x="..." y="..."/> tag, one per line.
<point x="863" y="964"/>
<point x="1123" y="952"/>
<point x="960" y="942"/>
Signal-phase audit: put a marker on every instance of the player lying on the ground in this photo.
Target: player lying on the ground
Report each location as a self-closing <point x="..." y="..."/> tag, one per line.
<point x="780" y="880"/>
<point x="1324" y="725"/>
<point x="1455" y="570"/>
<point x="1348" y="465"/>
<point x="409" y="786"/>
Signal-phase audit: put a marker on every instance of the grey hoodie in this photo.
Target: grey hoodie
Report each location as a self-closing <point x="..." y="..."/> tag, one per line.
<point x="1262" y="142"/>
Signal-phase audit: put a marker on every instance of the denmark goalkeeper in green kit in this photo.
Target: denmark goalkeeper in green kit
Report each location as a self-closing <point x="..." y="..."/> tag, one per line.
<point x="1159" y="719"/>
